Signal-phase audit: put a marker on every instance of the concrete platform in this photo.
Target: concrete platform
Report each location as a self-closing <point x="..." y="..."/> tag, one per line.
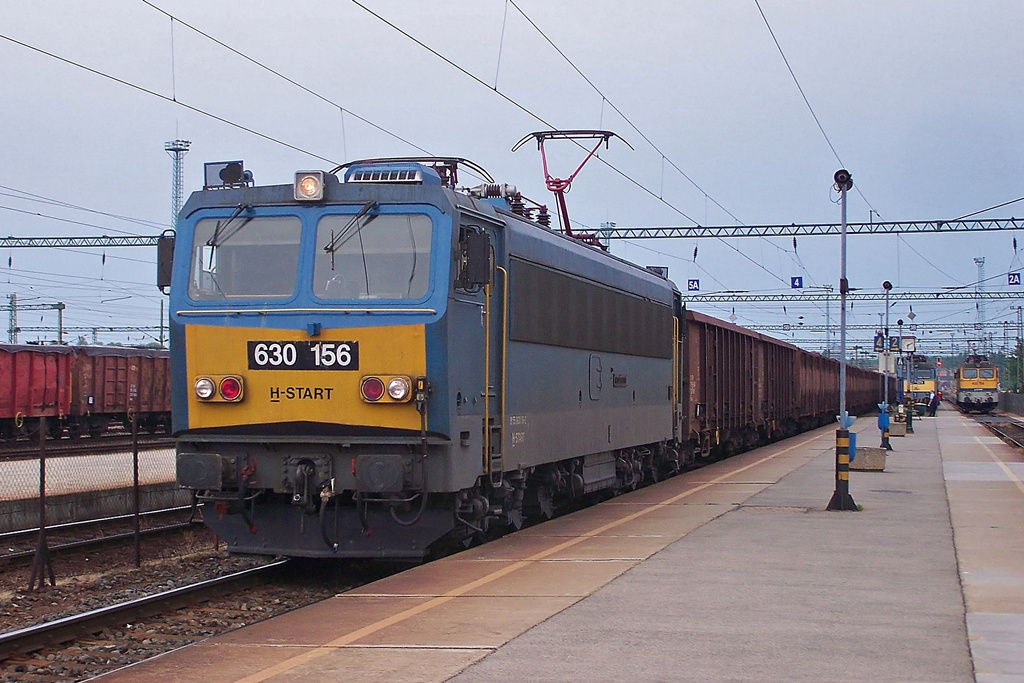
<point x="734" y="572"/>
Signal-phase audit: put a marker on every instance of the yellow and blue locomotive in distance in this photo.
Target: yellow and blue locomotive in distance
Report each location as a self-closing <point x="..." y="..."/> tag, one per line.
<point x="922" y="382"/>
<point x="374" y="361"/>
<point x="976" y="383"/>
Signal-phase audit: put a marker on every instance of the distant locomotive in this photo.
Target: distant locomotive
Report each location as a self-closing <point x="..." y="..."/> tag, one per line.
<point x="82" y="389"/>
<point x="922" y="383"/>
<point x="386" y="363"/>
<point x="976" y="383"/>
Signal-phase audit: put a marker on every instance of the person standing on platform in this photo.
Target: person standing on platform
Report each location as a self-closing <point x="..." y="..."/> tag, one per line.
<point x="933" y="404"/>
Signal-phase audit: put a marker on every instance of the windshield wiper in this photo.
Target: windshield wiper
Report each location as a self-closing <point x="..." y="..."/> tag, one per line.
<point x="353" y="227"/>
<point x="221" y="234"/>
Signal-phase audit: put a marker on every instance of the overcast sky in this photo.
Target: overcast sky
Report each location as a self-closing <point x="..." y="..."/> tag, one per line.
<point x="921" y="101"/>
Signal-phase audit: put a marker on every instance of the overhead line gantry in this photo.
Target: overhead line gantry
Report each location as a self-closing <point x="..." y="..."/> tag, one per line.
<point x="103" y="241"/>
<point x="744" y="297"/>
<point x="794" y="229"/>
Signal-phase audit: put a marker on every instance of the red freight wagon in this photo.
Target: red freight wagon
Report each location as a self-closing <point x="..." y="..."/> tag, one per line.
<point x="34" y="382"/>
<point x="84" y="388"/>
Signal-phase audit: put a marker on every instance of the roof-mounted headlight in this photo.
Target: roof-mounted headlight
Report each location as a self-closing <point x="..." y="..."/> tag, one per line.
<point x="309" y="186"/>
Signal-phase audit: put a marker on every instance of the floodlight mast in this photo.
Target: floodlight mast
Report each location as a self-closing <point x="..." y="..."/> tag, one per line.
<point x="559" y="186"/>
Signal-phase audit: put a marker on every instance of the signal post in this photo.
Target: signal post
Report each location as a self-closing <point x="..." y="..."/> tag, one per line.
<point x="841" y="498"/>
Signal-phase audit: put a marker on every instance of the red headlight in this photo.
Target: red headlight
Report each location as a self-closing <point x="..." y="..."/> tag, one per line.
<point x="230" y="389"/>
<point x="372" y="389"/>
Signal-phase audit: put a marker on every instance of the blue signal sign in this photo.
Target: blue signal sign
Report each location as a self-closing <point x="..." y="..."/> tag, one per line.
<point x="879" y="343"/>
<point x="796" y="282"/>
<point x="894" y="344"/>
<point x="693" y="285"/>
<point x="1013" y="279"/>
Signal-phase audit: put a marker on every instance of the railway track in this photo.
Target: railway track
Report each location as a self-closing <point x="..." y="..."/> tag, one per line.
<point x="1009" y="429"/>
<point x="26" y="450"/>
<point x="116" y="632"/>
<point x="21" y="544"/>
<point x="69" y="628"/>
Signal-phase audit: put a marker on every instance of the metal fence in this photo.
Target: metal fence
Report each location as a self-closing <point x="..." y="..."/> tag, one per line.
<point x="86" y="487"/>
<point x="80" y="488"/>
<point x="1012" y="403"/>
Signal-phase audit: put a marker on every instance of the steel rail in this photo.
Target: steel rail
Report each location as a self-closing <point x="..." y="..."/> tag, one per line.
<point x="13" y="537"/>
<point x="66" y="448"/>
<point x="68" y="628"/>
<point x="1002" y="434"/>
<point x="87" y="542"/>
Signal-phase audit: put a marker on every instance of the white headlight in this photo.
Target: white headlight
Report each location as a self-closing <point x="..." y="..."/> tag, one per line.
<point x="205" y="388"/>
<point x="398" y="388"/>
<point x="309" y="185"/>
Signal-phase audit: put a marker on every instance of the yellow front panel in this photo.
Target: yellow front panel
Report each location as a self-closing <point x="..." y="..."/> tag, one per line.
<point x="330" y="396"/>
<point x="979" y="383"/>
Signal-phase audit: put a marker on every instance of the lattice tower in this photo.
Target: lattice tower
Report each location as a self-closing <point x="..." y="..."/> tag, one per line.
<point x="177" y="149"/>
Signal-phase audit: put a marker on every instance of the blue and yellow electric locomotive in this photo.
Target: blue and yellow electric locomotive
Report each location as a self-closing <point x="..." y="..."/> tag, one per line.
<point x="373" y="366"/>
<point x="385" y="364"/>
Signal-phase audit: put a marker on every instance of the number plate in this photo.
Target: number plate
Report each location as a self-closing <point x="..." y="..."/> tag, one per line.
<point x="303" y="355"/>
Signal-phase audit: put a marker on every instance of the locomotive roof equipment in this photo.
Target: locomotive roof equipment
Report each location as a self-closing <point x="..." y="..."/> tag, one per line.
<point x="559" y="186"/>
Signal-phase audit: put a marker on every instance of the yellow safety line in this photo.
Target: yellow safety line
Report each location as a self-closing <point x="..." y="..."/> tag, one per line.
<point x="1002" y="465"/>
<point x="353" y="636"/>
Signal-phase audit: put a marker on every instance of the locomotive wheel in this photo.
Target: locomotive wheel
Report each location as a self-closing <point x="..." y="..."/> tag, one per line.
<point x="545" y="502"/>
<point x="515" y="519"/>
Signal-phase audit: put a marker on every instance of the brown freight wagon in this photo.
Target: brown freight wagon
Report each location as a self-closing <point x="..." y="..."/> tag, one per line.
<point x="724" y="388"/>
<point x="34" y="383"/>
<point x="110" y="383"/>
<point x="741" y="389"/>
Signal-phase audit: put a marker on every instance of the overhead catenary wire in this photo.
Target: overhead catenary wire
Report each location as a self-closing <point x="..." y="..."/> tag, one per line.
<point x="807" y="102"/>
<point x="276" y="140"/>
<point x="167" y="98"/>
<point x="605" y="100"/>
<point x="282" y="76"/>
<point x="42" y="199"/>
<point x="997" y="206"/>
<point x="342" y="110"/>
<point x="551" y="126"/>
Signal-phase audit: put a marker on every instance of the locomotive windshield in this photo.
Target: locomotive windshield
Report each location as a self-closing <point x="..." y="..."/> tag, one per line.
<point x="376" y="257"/>
<point x="259" y="259"/>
